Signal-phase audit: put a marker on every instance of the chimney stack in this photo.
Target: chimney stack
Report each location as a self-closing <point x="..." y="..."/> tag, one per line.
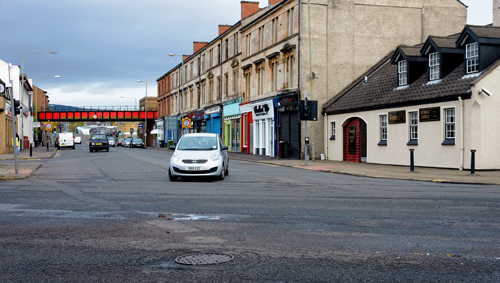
<point x="496" y="13"/>
<point x="272" y="2"/>
<point x="248" y="8"/>
<point x="198" y="45"/>
<point x="223" y="28"/>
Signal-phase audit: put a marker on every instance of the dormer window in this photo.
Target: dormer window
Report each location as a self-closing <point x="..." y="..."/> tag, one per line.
<point x="434" y="66"/>
<point x="472" y="57"/>
<point x="403" y="72"/>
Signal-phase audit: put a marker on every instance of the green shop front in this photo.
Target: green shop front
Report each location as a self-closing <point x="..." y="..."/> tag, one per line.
<point x="232" y="125"/>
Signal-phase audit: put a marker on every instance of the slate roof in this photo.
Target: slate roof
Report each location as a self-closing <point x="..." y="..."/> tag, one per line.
<point x="413" y="51"/>
<point x="381" y="90"/>
<point x="486" y="31"/>
<point x="445" y="42"/>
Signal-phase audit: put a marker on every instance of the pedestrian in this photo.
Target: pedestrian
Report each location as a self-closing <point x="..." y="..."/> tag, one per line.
<point x="17" y="143"/>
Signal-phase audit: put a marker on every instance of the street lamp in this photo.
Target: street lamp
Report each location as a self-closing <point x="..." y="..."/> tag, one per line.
<point x="36" y="98"/>
<point x="182" y="86"/>
<point x="22" y="85"/>
<point x="145" y="116"/>
<point x="132" y="98"/>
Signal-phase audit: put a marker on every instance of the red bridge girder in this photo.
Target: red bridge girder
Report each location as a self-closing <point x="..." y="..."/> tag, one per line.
<point x="96" y="115"/>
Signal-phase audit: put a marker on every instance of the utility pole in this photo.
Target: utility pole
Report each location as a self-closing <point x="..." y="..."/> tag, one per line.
<point x="13" y="114"/>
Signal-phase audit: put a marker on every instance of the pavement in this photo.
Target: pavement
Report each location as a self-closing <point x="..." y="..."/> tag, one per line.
<point x="439" y="175"/>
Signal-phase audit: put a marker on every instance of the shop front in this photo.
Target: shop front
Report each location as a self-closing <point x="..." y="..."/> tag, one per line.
<point x="232" y="122"/>
<point x="213" y="119"/>
<point x="246" y="119"/>
<point x="199" y="123"/>
<point x="288" y="125"/>
<point x="263" y="128"/>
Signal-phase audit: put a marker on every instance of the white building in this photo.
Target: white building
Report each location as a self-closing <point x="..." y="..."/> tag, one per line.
<point x="439" y="99"/>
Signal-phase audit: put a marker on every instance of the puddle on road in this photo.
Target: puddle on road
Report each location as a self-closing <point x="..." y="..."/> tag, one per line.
<point x="20" y="209"/>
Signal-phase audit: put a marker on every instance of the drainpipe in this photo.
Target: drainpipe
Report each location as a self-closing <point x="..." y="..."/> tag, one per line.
<point x="461" y="134"/>
<point x="298" y="74"/>
<point x="325" y="130"/>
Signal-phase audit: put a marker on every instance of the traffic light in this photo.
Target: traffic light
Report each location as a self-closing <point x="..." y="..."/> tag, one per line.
<point x="17" y="109"/>
<point x="308" y="110"/>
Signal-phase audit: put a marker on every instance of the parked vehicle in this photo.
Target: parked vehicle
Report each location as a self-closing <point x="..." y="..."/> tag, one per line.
<point x="98" y="142"/>
<point x="201" y="154"/>
<point x="111" y="141"/>
<point x="119" y="142"/>
<point x="136" y="142"/>
<point x="66" y="140"/>
<point x="126" y="142"/>
<point x="78" y="140"/>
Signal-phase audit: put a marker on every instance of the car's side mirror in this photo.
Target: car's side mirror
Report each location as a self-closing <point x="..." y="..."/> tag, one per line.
<point x="172" y="147"/>
<point x="225" y="147"/>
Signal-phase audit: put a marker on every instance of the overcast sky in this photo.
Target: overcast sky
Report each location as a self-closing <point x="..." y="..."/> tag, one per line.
<point x="104" y="46"/>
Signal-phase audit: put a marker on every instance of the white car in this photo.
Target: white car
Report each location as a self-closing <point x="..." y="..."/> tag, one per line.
<point x="111" y="141"/>
<point x="78" y="140"/>
<point x="200" y="155"/>
<point x="66" y="140"/>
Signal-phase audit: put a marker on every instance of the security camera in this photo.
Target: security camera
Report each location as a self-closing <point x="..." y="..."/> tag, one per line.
<point x="485" y="91"/>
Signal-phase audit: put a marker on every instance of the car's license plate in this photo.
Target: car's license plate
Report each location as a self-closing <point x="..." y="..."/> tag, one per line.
<point x="194" y="168"/>
<point x="63" y="144"/>
<point x="98" y="143"/>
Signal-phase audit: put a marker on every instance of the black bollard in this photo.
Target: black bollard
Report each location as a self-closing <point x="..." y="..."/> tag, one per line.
<point x="472" y="161"/>
<point x="31" y="150"/>
<point x="412" y="165"/>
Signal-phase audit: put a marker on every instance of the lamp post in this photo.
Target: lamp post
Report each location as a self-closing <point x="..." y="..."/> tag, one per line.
<point x="182" y="86"/>
<point x="132" y="98"/>
<point x="44" y="134"/>
<point x="22" y="89"/>
<point x="145" y="116"/>
<point x="36" y="95"/>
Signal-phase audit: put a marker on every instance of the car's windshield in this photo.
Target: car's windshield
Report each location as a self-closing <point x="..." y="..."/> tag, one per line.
<point x="137" y="140"/>
<point x="128" y="139"/>
<point x="198" y="143"/>
<point x="98" y="137"/>
<point x="111" y="138"/>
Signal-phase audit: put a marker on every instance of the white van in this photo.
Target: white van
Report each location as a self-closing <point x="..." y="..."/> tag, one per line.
<point x="66" y="140"/>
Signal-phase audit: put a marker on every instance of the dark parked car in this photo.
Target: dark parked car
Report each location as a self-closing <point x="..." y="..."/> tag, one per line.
<point x="136" y="142"/>
<point x="98" y="142"/>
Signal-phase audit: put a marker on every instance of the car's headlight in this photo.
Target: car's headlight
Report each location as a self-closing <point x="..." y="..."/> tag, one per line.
<point x="215" y="156"/>
<point x="176" y="157"/>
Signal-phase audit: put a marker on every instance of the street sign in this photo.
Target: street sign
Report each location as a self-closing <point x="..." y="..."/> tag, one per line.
<point x="186" y="123"/>
<point x="141" y="125"/>
<point x="48" y="126"/>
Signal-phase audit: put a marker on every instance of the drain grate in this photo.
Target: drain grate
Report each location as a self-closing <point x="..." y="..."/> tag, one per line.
<point x="201" y="259"/>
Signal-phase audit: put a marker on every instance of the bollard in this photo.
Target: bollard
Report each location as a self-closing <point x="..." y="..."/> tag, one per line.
<point x="31" y="150"/>
<point x="47" y="146"/>
<point x="472" y="161"/>
<point x="412" y="165"/>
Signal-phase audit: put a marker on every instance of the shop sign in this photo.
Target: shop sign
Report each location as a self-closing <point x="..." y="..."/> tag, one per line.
<point x="261" y="110"/>
<point x="8" y="110"/>
<point x="429" y="114"/>
<point x="212" y="110"/>
<point x="397" y="117"/>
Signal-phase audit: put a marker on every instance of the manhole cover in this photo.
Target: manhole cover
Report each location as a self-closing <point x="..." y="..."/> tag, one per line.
<point x="200" y="259"/>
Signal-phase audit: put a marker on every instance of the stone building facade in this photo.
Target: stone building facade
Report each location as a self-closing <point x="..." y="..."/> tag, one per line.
<point x="247" y="83"/>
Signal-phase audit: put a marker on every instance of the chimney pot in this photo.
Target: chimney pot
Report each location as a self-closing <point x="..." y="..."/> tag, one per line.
<point x="248" y="8"/>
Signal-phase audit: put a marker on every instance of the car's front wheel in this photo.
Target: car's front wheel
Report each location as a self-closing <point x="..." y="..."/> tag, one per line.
<point x="171" y="177"/>
<point x="222" y="173"/>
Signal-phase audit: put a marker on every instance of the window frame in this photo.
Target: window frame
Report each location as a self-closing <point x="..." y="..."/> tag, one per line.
<point x="383" y="129"/>
<point x="403" y="73"/>
<point x="434" y="66"/>
<point x="472" y="58"/>
<point x="333" y="129"/>
<point x="413" y="119"/>
<point x="450" y="126"/>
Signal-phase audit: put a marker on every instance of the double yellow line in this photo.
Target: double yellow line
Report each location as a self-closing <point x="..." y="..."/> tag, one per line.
<point x="58" y="153"/>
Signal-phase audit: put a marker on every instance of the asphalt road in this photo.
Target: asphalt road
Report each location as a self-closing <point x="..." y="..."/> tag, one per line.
<point x="115" y="217"/>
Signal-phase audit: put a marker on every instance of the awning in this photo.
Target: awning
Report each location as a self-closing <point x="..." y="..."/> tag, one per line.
<point x="155" y="132"/>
